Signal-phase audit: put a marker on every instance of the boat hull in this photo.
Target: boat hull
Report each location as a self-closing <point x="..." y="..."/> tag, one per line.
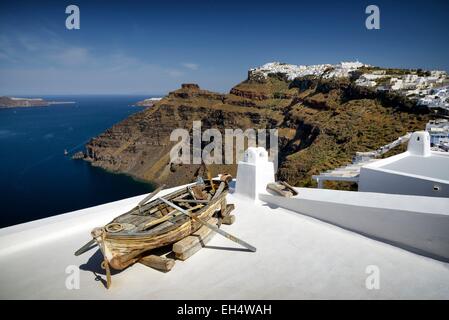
<point x="121" y="252"/>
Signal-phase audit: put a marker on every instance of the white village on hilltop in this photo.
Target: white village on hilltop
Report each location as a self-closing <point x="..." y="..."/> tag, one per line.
<point x="342" y="69"/>
<point x="428" y="88"/>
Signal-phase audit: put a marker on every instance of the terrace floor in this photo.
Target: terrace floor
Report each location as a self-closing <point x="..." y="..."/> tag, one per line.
<point x="297" y="257"/>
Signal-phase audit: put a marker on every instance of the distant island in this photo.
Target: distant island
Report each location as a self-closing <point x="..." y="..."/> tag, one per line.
<point x="12" y="102"/>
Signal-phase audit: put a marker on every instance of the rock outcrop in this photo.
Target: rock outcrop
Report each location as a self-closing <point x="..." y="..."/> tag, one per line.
<point x="321" y="122"/>
<point x="78" y="155"/>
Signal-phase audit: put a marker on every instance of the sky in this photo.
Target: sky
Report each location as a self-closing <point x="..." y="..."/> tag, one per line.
<point x="151" y="47"/>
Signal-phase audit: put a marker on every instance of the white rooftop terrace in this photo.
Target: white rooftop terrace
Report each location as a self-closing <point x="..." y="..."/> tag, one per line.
<point x="417" y="171"/>
<point x="298" y="257"/>
<point x="435" y="167"/>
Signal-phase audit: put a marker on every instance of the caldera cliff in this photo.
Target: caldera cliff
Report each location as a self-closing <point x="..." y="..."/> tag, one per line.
<point x="322" y="121"/>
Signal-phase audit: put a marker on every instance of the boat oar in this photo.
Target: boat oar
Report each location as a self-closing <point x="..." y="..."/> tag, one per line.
<point x="85" y="247"/>
<point x="211" y="226"/>
<point x="151" y="195"/>
<point x="209" y="176"/>
<point x="88" y="245"/>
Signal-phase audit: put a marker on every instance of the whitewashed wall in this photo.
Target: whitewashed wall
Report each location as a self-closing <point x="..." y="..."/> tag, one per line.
<point x="417" y="224"/>
<point x="384" y="181"/>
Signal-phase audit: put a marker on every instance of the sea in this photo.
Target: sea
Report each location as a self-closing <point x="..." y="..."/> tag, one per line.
<point x="37" y="180"/>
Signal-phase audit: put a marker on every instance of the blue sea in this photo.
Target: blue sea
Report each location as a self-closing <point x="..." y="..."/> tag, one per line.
<point x="37" y="180"/>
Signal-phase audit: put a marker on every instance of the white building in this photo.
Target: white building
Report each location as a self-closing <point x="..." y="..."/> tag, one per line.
<point x="368" y="79"/>
<point x="397" y="84"/>
<point x="438" y="131"/>
<point x="437" y="98"/>
<point x="418" y="171"/>
<point x="351" y="65"/>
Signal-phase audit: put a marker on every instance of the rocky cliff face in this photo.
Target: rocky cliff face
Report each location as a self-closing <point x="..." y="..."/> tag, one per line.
<point x="140" y="145"/>
<point x="322" y="122"/>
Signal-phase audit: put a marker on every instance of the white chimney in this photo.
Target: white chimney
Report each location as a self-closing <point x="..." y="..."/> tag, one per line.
<point x="419" y="144"/>
<point x="254" y="173"/>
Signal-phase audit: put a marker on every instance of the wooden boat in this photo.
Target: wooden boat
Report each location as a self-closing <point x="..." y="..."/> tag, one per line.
<point x="130" y="236"/>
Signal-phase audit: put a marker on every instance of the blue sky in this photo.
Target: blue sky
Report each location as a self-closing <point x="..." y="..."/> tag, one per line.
<point x="151" y="47"/>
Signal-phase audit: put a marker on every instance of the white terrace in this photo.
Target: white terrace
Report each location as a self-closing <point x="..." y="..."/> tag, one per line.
<point x="299" y="256"/>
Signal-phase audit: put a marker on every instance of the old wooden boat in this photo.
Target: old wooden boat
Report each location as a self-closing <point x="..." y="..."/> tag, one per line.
<point x="130" y="236"/>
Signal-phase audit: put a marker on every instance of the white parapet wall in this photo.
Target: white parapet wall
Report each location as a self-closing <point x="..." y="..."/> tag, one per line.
<point x="418" y="171"/>
<point x="415" y="223"/>
<point x="254" y="173"/>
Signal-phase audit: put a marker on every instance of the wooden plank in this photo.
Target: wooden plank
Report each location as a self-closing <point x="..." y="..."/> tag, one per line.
<point x="289" y="187"/>
<point x="165" y="226"/>
<point x="228" y="219"/>
<point x="280" y="189"/>
<point x="226" y="177"/>
<point x="191" y="201"/>
<point x="192" y="250"/>
<point x="198" y="192"/>
<point x="158" y="221"/>
<point x="219" y="190"/>
<point x="195" y="238"/>
<point x="228" y="210"/>
<point x="157" y="262"/>
<point x="169" y="215"/>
